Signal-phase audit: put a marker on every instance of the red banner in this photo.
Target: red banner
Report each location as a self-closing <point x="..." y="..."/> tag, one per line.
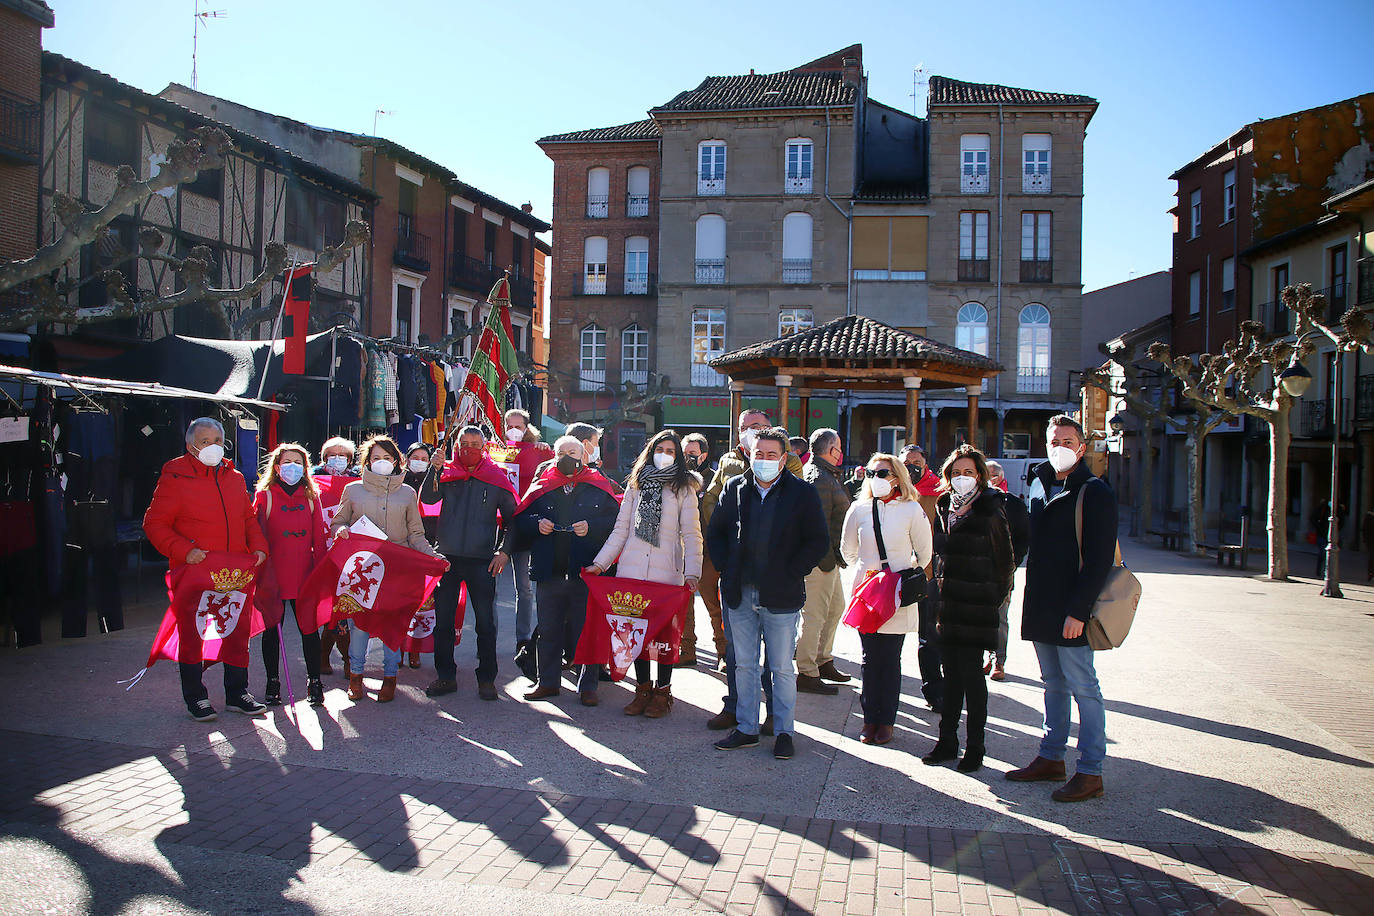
<point x="210" y="614"/>
<point x="630" y="618"/>
<point x="331" y="491"/>
<point x="420" y="633"/>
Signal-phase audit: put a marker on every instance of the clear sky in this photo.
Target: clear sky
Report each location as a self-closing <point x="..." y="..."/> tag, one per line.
<point x="473" y="84"/>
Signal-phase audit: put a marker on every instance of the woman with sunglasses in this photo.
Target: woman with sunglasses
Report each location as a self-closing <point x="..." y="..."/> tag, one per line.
<point x="905" y="533"/>
<point x="973" y="544"/>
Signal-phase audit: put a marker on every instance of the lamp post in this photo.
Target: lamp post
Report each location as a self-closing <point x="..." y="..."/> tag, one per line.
<point x="1296" y="380"/>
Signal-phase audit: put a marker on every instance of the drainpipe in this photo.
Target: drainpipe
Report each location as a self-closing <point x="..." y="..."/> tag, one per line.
<point x="1001" y="173"/>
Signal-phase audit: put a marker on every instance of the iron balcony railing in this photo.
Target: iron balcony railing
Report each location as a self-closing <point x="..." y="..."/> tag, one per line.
<point x="710" y="187"/>
<point x="975" y="270"/>
<point x="470" y="273"/>
<point x="637" y="205"/>
<point x="1364" y="398"/>
<point x="591" y="380"/>
<point x="412" y="249"/>
<point x="1037" y="271"/>
<point x="630" y="284"/>
<point x="521" y="292"/>
<point x="1318" y="418"/>
<point x="1035" y="180"/>
<point x="19" y="121"/>
<point x="1033" y="379"/>
<point x="703" y="376"/>
<point x="1337" y="301"/>
<point x="639" y="283"/>
<point x="795" y="270"/>
<point x="796" y="184"/>
<point x="710" y="272"/>
<point x="1364" y="270"/>
<point x="639" y="377"/>
<point x="1275" y="317"/>
<point x="598" y="206"/>
<point x="973" y="180"/>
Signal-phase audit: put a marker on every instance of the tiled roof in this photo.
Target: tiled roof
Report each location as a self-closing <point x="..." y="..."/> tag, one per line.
<point x="857" y="338"/>
<point x="790" y="89"/>
<point x="647" y="129"/>
<point x="946" y="91"/>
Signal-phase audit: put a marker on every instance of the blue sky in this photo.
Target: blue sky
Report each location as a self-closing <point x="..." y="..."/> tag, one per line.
<point x="473" y="85"/>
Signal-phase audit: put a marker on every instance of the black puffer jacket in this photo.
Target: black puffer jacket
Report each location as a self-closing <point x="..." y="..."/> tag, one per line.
<point x="976" y="565"/>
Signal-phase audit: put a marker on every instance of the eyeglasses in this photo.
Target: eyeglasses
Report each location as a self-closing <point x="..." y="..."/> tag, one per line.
<point x="877" y="472"/>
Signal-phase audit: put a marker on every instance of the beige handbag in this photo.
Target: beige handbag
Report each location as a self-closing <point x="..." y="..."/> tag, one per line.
<point x="1114" y="610"/>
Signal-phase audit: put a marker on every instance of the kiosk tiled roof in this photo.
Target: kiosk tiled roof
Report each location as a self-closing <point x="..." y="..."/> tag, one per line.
<point x="856" y="338"/>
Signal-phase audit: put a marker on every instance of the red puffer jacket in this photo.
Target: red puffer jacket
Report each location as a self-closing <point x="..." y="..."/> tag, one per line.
<point x="195" y="506"/>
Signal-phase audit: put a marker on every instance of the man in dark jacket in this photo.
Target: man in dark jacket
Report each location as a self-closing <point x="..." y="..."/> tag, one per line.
<point x="1064" y="576"/>
<point x="825" y="599"/>
<point x="478" y="502"/>
<point x="767" y="532"/>
<point x="563" y="521"/>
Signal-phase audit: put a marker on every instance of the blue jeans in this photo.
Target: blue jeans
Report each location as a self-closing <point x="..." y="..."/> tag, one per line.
<point x="524" y="596"/>
<point x="731" y="698"/>
<point x="357" y="653"/>
<point x="750" y="622"/>
<point x="1068" y="671"/>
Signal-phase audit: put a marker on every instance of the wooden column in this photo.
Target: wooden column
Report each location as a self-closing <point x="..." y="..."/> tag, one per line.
<point x="912" y="383"/>
<point x="804" y="394"/>
<point x="736" y="398"/>
<point x="784" y="383"/>
<point x="973" y="391"/>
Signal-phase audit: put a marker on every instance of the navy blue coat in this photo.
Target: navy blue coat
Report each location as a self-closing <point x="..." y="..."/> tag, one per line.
<point x="590" y="504"/>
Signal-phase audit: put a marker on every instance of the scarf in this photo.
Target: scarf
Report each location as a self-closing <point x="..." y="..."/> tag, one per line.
<point x="959" y="502"/>
<point x="553" y="478"/>
<point x="486" y="471"/>
<point x="649" y="509"/>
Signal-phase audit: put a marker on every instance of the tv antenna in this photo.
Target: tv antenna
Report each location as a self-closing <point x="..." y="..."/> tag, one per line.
<point x="377" y="114"/>
<point x="201" y="21"/>
<point x="919" y="79"/>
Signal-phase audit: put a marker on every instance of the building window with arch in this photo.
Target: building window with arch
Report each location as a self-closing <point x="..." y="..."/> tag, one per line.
<point x="797" y="174"/>
<point x="971" y="331"/>
<point x="796" y="248"/>
<point x="710" y="259"/>
<point x="591" y="369"/>
<point x="708" y="342"/>
<point x="711" y="168"/>
<point x="1033" y="350"/>
<point x="598" y="193"/>
<point x="637" y="191"/>
<point x="637" y="265"/>
<point x="795" y="320"/>
<point x="634" y="355"/>
<point x="594" y="266"/>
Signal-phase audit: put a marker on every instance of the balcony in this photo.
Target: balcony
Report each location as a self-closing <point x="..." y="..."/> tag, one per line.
<point x="710" y="187"/>
<point x="412" y="248"/>
<point x="1317" y="420"/>
<point x="710" y="272"/>
<point x="796" y="185"/>
<point x="591" y="380"/>
<point x="1276" y="318"/>
<point x="1035" y="181"/>
<point x="794" y="270"/>
<point x="521" y="292"/>
<point x="637" y="205"/>
<point x="19" y="120"/>
<point x="1033" y="380"/>
<point x="1337" y="301"/>
<point x="638" y="283"/>
<point x="1364" y="398"/>
<point x="470" y="273"/>
<point x="591" y="284"/>
<point x="598" y="206"/>
<point x="631" y="284"/>
<point x="639" y="377"/>
<point x="703" y="376"/>
<point x="974" y="270"/>
<point x="1037" y="271"/>
<point x="973" y="180"/>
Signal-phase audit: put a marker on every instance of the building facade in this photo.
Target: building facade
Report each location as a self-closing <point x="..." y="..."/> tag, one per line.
<point x="21" y="61"/>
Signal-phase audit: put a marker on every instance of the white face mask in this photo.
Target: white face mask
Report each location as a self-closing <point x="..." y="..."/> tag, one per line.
<point x="880" y="487"/>
<point x="417" y="466"/>
<point x="1061" y="458"/>
<point x="595" y="455"/>
<point x="766" y="469"/>
<point x="663" y="460"/>
<point x="963" y="485"/>
<point x="337" y="463"/>
<point x="515" y="435"/>
<point x="211" y="455"/>
<point x="748" y="439"/>
<point x="383" y="466"/>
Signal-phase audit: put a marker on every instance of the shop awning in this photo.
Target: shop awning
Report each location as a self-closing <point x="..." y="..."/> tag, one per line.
<point x="13" y="376"/>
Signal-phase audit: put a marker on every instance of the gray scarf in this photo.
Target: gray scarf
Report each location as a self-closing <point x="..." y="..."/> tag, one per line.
<point x="649" y="509"/>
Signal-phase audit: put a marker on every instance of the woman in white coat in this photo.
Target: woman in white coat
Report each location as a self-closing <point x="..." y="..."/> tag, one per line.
<point x="907" y="540"/>
<point x="657" y="538"/>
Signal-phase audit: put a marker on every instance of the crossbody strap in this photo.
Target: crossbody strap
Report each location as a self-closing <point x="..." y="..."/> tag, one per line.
<point x="878" y="535"/>
<point x="1078" y="530"/>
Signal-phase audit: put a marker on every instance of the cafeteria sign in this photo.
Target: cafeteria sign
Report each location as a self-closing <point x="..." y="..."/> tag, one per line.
<point x="713" y="412"/>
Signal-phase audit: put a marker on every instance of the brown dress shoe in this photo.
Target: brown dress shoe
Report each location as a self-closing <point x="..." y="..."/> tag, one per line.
<point x="1040" y="769"/>
<point x="998" y="672"/>
<point x="882" y="734"/>
<point x="721" y="721"/>
<point x="355" y="687"/>
<point x="1081" y="788"/>
<point x="542" y="693"/>
<point x="660" y="704"/>
<point x="388" y="691"/>
<point x="829" y="672"/>
<point x="589" y="698"/>
<point x="866" y="736"/>
<point x="643" y="693"/>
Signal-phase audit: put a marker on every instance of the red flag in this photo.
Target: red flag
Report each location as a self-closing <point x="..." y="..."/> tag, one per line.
<point x="627" y="618"/>
<point x="420" y="633"/>
<point x="374" y="582"/>
<point x="296" y="318"/>
<point x="331" y="491"/>
<point x="210" y="614"/>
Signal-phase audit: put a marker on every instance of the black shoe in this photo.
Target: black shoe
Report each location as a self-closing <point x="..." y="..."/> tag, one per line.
<point x="272" y="695"/>
<point x="440" y="686"/>
<point x="972" y="762"/>
<point x="245" y="704"/>
<point x="808" y="684"/>
<point x="735" y="740"/>
<point x="605" y="676"/>
<point x="942" y="752"/>
<point x="829" y="672"/>
<point x="525" y="661"/>
<point x="202" y="711"/>
<point x="767" y="727"/>
<point x="782" y="747"/>
<point x="314" y="692"/>
<point x="486" y="690"/>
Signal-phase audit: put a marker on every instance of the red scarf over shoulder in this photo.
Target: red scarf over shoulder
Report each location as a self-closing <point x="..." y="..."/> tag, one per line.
<point x="486" y="471"/>
<point x="554" y="478"/>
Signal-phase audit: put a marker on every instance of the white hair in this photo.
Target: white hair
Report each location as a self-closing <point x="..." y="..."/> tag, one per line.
<point x="201" y="422"/>
<point x="567" y="440"/>
<point x="338" y="442"/>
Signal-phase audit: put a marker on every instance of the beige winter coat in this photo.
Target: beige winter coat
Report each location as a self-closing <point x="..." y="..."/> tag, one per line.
<point x="678" y="553"/>
<point x="390" y="504"/>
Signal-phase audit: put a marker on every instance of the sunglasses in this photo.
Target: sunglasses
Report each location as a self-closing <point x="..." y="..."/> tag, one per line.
<point x="877" y="472"/>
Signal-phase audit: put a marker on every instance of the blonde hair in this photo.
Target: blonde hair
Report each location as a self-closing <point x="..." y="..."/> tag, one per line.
<point x="904" y="487"/>
<point x="269" y="475"/>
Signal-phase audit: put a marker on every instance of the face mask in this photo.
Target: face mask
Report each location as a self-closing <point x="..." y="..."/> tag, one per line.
<point x="469" y="457"/>
<point x="336" y="463"/>
<point x="515" y="435"/>
<point x="915" y="471"/>
<point x="748" y="438"/>
<point x="963" y="485"/>
<point x="662" y="461"/>
<point x="694" y="461"/>
<point x="383" y="466"/>
<point x="766" y="469"/>
<point x="417" y="466"/>
<point x="290" y="472"/>
<point x="1061" y="458"/>
<point x="880" y="487"/>
<point x="595" y="456"/>
<point x="568" y="465"/>
<point x="211" y="455"/>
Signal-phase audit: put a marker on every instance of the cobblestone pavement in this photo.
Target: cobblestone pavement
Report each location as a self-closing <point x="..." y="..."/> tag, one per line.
<point x="1239" y="781"/>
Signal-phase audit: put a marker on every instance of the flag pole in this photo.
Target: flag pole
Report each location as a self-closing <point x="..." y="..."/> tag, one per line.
<point x="286" y="291"/>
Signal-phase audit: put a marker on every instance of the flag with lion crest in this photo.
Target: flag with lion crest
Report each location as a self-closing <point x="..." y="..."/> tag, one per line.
<point x="629" y="619"/>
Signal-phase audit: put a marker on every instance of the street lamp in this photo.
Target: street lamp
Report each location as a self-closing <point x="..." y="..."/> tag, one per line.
<point x="1295" y="381"/>
<point x="1117" y="423"/>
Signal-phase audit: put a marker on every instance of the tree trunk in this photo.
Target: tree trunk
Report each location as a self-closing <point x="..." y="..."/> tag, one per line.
<point x="1195" y="439"/>
<point x="1279" y="437"/>
<point x="1147" y="479"/>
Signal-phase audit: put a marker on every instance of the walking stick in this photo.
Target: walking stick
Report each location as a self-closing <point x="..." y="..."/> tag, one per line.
<point x="286" y="669"/>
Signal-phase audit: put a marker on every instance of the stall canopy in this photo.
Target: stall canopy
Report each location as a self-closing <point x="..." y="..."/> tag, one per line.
<point x="12" y="377"/>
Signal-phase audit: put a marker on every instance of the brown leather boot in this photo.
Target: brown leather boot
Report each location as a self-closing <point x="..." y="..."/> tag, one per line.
<point x="413" y="660"/>
<point x="355" y="687"/>
<point x="388" y="691"/>
<point x="326" y="649"/>
<point x="660" y="704"/>
<point x="643" y="693"/>
<point x="1081" y="788"/>
<point x="1041" y="769"/>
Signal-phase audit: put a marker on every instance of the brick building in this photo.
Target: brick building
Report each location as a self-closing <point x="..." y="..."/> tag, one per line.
<point x="21" y="64"/>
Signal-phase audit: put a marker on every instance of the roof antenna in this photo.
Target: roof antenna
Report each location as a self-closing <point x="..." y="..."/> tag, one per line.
<point x="919" y="80"/>
<point x="201" y="20"/>
<point x="377" y="114"/>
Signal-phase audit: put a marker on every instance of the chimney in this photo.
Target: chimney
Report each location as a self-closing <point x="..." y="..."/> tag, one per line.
<point x="852" y="74"/>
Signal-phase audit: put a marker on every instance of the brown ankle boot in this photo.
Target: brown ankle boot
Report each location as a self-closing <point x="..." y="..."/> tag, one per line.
<point x="660" y="704"/>
<point x="355" y="687"/>
<point x="643" y="693"/>
<point x="326" y="648"/>
<point x="1081" y="788"/>
<point x="388" y="691"/>
<point x="1040" y="769"/>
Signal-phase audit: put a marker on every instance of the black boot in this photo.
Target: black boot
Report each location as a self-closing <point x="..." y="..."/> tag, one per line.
<point x="525" y="660"/>
<point x="314" y="692"/>
<point x="272" y="695"/>
<point x="973" y="760"/>
<point x="945" y="750"/>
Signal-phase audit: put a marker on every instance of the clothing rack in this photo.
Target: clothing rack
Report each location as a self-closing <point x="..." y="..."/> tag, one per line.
<point x="430" y="353"/>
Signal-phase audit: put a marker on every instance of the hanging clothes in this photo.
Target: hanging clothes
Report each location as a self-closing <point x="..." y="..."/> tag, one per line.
<point x="441" y="395"/>
<point x="347" y="392"/>
<point x="389" y="389"/>
<point x="374" y="414"/>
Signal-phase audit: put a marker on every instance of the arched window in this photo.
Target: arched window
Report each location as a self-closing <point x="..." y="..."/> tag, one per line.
<point x="711" y="167"/>
<point x="710" y="260"/>
<point x="592" y="359"/>
<point x="598" y="193"/>
<point x="637" y="191"/>
<point x="634" y="354"/>
<point x="594" y="266"/>
<point x="637" y="265"/>
<point x="796" y="248"/>
<point x="1033" y="350"/>
<point x="971" y="333"/>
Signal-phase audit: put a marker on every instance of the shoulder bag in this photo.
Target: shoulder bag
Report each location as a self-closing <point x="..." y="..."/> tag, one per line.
<point x="913" y="587"/>
<point x="1114" y="610"/>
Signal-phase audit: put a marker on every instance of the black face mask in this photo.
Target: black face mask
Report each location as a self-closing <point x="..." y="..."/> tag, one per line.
<point x="568" y="465"/>
<point x="915" y="471"/>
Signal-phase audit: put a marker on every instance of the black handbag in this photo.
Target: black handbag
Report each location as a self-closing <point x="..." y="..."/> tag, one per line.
<point x="913" y="587"/>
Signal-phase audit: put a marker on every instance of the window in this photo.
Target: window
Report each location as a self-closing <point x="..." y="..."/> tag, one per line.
<point x="637" y="187"/>
<point x="594" y="266"/>
<point x="112" y="250"/>
<point x="971" y="333"/>
<point x="592" y="359"/>
<point x="460" y="232"/>
<point x="796" y="248"/>
<point x="112" y="137"/>
<point x="973" y="246"/>
<point x="458" y="329"/>
<point x="1035" y="163"/>
<point x="637" y="266"/>
<point x="710" y="259"/>
<point x="708" y="342"/>
<point x="1037" y="265"/>
<point x="405" y="313"/>
<point x="798" y="174"/>
<point x="890" y="247"/>
<point x="711" y="167"/>
<point x="489" y="244"/>
<point x="794" y="321"/>
<point x="634" y="355"/>
<point x="1228" y="283"/>
<point x="973" y="155"/>
<point x="1228" y="196"/>
<point x="517" y="257"/>
<point x="208" y="183"/>
<point x="1033" y="350"/>
<point x="1336" y="272"/>
<point x="1278" y="281"/>
<point x="1195" y="214"/>
<point x="598" y="193"/>
<point x="312" y="219"/>
<point x="1195" y="293"/>
<point x="406" y="207"/>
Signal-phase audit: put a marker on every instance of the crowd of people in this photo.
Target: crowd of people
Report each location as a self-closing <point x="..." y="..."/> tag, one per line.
<point x="765" y="539"/>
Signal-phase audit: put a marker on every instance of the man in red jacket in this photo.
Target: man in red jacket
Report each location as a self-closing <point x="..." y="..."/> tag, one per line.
<point x="201" y="504"/>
